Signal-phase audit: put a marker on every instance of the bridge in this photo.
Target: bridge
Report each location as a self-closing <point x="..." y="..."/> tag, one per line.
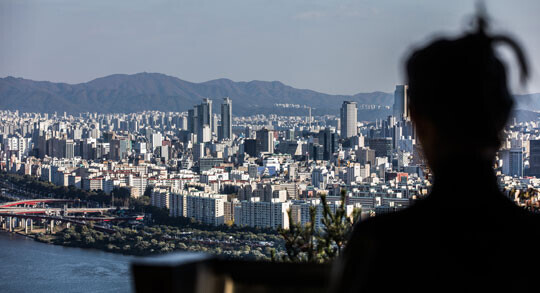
<point x="9" y="221"/>
<point x="55" y="211"/>
<point x="23" y="213"/>
<point x="33" y="202"/>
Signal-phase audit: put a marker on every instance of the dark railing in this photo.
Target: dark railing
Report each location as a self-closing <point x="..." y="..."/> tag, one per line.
<point x="198" y="272"/>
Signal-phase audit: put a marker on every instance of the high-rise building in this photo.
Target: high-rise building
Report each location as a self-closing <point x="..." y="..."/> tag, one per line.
<point x="207" y="208"/>
<point x="349" y="119"/>
<point x="328" y="139"/>
<point x="401" y="108"/>
<point x="70" y="149"/>
<point x="534" y="158"/>
<point x="381" y="146"/>
<point x="265" y="141"/>
<point x="226" y="119"/>
<point x="198" y="151"/>
<point x="316" y="152"/>
<point x="203" y="116"/>
<point x="365" y="156"/>
<point x="512" y="162"/>
<point x="250" y="147"/>
<point x="191" y="121"/>
<point x="119" y="148"/>
<point x="255" y="213"/>
<point x="309" y="118"/>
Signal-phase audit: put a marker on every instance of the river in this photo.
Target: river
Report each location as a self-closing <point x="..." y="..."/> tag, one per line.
<point x="30" y="266"/>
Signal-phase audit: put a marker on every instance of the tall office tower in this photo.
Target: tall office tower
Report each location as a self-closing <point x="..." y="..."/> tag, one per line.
<point x="265" y="141"/>
<point x="70" y="148"/>
<point x="204" y="114"/>
<point x="534" y="158"/>
<point x="184" y="124"/>
<point x="512" y="162"/>
<point x="249" y="133"/>
<point x="192" y="121"/>
<point x="401" y="107"/>
<point x="198" y="151"/>
<point x="309" y="118"/>
<point x="396" y="135"/>
<point x="250" y="147"/>
<point x="328" y="139"/>
<point x="381" y="146"/>
<point x="365" y="156"/>
<point x="226" y="119"/>
<point x="199" y="117"/>
<point x="349" y="119"/>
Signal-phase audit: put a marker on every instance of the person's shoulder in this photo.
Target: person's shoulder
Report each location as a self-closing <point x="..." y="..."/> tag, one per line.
<point x="527" y="219"/>
<point x="394" y="223"/>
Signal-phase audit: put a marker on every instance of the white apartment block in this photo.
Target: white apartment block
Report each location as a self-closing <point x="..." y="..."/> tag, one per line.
<point x="207" y="208"/>
<point x="177" y="205"/>
<point x="264" y="214"/>
<point x="160" y="198"/>
<point x="301" y="211"/>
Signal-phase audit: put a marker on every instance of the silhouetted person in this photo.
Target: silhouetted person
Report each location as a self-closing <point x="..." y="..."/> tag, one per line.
<point x="466" y="235"/>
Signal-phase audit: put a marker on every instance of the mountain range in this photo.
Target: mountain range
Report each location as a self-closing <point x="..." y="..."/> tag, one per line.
<point x="154" y="91"/>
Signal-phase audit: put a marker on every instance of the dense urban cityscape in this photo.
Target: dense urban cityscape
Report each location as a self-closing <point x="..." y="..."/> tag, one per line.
<point x="254" y="171"/>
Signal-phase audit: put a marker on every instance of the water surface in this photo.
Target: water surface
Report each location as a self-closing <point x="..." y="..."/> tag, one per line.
<point x="30" y="266"/>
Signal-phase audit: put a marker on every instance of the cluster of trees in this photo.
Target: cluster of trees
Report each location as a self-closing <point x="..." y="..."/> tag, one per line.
<point x="162" y="239"/>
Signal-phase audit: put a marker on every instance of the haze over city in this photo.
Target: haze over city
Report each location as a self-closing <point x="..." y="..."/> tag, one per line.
<point x="335" y="47"/>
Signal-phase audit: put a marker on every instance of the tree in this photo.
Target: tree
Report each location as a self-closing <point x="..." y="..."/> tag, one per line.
<point x="120" y="196"/>
<point x="89" y="240"/>
<point x="300" y="241"/>
<point x="307" y="244"/>
<point x="148" y="191"/>
<point x="336" y="226"/>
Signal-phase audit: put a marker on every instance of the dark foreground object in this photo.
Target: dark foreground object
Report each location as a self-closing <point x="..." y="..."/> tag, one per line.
<point x="197" y="272"/>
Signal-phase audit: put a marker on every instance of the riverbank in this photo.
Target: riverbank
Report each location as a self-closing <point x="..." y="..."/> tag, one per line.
<point x="47" y="238"/>
<point x="150" y="240"/>
<point x="160" y="239"/>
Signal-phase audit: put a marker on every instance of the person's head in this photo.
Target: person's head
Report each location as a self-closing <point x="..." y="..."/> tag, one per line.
<point x="458" y="96"/>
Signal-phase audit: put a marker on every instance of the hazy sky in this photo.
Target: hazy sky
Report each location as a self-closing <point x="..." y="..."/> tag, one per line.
<point x="332" y="46"/>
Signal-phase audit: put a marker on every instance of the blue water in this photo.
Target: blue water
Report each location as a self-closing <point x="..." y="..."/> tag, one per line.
<point x="30" y="266"/>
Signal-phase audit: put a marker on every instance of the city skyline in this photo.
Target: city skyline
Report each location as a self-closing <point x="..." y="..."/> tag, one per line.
<point x="268" y="173"/>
